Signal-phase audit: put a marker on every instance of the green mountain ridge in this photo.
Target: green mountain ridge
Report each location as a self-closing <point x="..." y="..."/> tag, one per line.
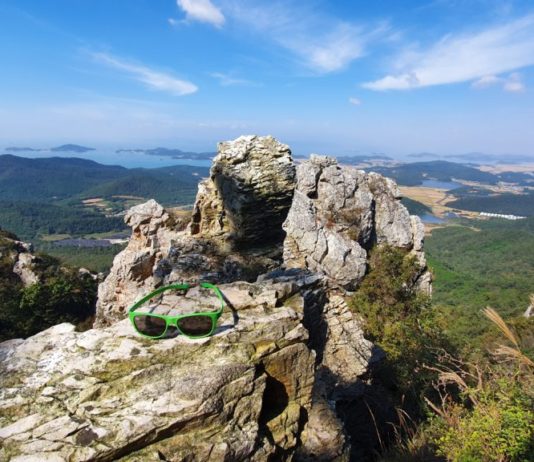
<point x="58" y="178"/>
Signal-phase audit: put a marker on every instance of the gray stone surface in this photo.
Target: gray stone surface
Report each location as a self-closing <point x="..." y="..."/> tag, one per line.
<point x="338" y="214"/>
<point x="108" y="394"/>
<point x="248" y="194"/>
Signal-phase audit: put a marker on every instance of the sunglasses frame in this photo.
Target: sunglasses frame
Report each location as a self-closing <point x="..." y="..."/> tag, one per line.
<point x="173" y="320"/>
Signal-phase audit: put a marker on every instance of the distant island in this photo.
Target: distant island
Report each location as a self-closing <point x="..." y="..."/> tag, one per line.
<point x="425" y="155"/>
<point x="353" y="160"/>
<point x="62" y="148"/>
<point x="71" y="148"/>
<point x="23" y="149"/>
<point x="174" y="153"/>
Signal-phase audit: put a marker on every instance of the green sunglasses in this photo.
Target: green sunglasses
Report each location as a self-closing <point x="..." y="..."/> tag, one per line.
<point x="193" y="325"/>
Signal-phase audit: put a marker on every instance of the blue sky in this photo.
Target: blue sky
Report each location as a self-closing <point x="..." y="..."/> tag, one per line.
<point x="339" y="77"/>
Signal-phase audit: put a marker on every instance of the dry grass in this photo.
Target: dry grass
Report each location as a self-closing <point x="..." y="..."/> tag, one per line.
<point x="506" y="352"/>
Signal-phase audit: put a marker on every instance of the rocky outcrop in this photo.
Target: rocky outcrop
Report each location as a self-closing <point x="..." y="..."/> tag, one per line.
<point x="247" y="393"/>
<point x="338" y="214"/>
<point x="248" y="194"/>
<point x="251" y="184"/>
<point x="19" y="257"/>
<point x="134" y="268"/>
<point x="287" y="352"/>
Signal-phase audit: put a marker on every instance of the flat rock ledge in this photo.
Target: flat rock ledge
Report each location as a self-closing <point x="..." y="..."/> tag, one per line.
<point x="249" y="393"/>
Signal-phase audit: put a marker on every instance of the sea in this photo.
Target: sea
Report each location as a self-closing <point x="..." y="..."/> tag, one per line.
<point x="124" y="159"/>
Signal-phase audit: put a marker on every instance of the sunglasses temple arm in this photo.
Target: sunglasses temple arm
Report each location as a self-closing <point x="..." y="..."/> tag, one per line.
<point x="157" y="292"/>
<point x="217" y="291"/>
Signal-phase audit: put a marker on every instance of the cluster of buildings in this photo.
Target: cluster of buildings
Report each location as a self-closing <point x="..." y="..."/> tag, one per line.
<point x="500" y="215"/>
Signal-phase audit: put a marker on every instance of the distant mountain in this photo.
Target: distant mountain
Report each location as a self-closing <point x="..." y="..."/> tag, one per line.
<point x="351" y="160"/>
<point x="174" y="153"/>
<point x="415" y="173"/>
<point x="23" y="149"/>
<point x="71" y="148"/>
<point x="58" y="178"/>
<point x="480" y="157"/>
<point x="425" y="155"/>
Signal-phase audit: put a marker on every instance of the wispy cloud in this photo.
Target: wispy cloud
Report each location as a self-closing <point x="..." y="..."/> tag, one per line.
<point x="512" y="83"/>
<point x="355" y="101"/>
<point x="228" y="80"/>
<point x="155" y="80"/>
<point x="486" y="82"/>
<point x="321" y="42"/>
<point x="201" y="10"/>
<point x="462" y="58"/>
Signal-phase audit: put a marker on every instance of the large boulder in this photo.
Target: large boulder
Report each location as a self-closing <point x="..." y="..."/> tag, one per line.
<point x="248" y="194"/>
<point x="134" y="268"/>
<point x="249" y="393"/>
<point x="338" y="214"/>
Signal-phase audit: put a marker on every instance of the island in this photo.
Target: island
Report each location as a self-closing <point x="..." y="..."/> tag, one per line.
<point x="71" y="148"/>
<point x="173" y="153"/>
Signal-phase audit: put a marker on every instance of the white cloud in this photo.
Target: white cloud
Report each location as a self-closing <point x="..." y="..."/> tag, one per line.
<point x="320" y="42"/>
<point x="153" y="79"/>
<point x="203" y="11"/>
<point x="227" y="80"/>
<point x="355" y="101"/>
<point x="514" y="83"/>
<point x="461" y="58"/>
<point x="486" y="81"/>
<point x="333" y="51"/>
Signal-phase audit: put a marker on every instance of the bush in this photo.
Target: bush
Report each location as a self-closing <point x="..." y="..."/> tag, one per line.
<point x="398" y="318"/>
<point x="492" y="417"/>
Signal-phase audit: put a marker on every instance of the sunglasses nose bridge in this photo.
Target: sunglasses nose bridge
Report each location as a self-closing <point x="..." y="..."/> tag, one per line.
<point x="172" y="321"/>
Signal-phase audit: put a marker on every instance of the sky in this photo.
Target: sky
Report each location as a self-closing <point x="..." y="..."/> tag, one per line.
<point x="331" y="77"/>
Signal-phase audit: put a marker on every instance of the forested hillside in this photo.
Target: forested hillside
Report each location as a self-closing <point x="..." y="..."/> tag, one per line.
<point x="78" y="197"/>
<point x="29" y="220"/>
<point x="53" y="179"/>
<point x="479" y="264"/>
<point x="507" y="203"/>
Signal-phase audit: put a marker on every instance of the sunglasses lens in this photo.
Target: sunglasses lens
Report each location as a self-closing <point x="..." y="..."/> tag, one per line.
<point x="196" y="326"/>
<point x="151" y="326"/>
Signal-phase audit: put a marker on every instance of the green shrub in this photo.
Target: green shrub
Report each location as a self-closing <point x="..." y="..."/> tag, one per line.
<point x="397" y="317"/>
<point x="492" y="418"/>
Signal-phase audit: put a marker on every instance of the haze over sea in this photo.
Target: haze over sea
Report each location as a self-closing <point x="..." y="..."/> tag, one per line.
<point x="111" y="157"/>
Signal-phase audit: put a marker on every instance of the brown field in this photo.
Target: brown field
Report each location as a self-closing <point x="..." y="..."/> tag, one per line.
<point x="129" y="197"/>
<point x="436" y="199"/>
<point x="96" y="202"/>
<point x="520" y="168"/>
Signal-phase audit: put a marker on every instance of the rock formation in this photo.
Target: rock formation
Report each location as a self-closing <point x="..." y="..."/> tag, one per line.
<point x="338" y="214"/>
<point x="248" y="194"/>
<point x="107" y="394"/>
<point x="18" y="255"/>
<point x="235" y="231"/>
<point x="287" y="349"/>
